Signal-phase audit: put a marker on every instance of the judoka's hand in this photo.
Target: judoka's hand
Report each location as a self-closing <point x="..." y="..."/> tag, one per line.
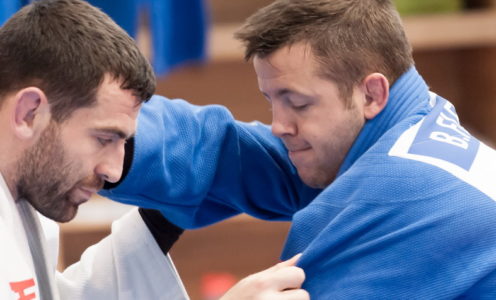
<point x="282" y="281"/>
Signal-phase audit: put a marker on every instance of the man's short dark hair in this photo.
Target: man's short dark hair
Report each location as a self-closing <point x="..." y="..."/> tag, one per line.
<point x="66" y="47"/>
<point x="349" y="38"/>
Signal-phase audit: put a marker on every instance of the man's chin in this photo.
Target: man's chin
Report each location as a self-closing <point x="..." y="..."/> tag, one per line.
<point x="68" y="216"/>
<point x="313" y="180"/>
<point x="64" y="216"/>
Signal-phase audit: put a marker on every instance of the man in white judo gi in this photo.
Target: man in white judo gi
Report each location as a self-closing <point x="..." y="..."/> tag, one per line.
<point x="71" y="85"/>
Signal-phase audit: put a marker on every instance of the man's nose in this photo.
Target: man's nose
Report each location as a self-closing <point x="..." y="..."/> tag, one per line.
<point x="111" y="166"/>
<point x="282" y="125"/>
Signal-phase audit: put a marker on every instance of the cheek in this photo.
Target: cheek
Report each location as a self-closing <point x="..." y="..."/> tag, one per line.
<point x="327" y="139"/>
<point x="317" y="134"/>
<point x="82" y="150"/>
<point x="81" y="162"/>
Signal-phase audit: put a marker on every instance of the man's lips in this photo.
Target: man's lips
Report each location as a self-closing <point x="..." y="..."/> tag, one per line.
<point x="83" y="194"/>
<point x="294" y="149"/>
<point x="89" y="190"/>
<point x="296" y="153"/>
<point x="297" y="147"/>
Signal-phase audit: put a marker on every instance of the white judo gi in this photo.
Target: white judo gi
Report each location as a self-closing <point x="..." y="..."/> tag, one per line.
<point x="127" y="264"/>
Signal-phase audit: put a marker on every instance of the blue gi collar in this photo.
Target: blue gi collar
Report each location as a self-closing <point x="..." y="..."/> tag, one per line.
<point x="409" y="95"/>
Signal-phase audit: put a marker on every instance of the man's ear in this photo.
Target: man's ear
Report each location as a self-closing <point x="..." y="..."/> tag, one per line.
<point x="31" y="114"/>
<point x="376" y="89"/>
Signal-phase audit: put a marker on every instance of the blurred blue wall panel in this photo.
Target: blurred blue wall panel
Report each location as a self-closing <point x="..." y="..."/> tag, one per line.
<point x="178" y="27"/>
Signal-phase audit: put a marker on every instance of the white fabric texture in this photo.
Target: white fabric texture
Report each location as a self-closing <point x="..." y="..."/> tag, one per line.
<point x="127" y="264"/>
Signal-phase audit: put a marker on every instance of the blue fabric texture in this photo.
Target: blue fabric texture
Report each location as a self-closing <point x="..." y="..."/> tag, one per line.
<point x="178" y="28"/>
<point x="195" y="150"/>
<point x="8" y="8"/>
<point x="401" y="221"/>
<point x="178" y="31"/>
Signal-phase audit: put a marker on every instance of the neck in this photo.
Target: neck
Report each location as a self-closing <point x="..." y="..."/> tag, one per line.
<point x="9" y="178"/>
<point x="8" y="167"/>
<point x="408" y="95"/>
<point x="11" y="149"/>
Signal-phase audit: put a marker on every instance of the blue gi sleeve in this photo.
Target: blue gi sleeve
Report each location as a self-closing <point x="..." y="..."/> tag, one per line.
<point x="197" y="165"/>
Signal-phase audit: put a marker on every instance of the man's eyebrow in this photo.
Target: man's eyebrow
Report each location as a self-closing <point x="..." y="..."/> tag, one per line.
<point x="284" y="92"/>
<point x="279" y="93"/>
<point x="115" y="131"/>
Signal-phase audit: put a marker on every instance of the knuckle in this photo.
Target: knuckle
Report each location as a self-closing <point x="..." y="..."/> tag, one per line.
<point x="298" y="273"/>
<point x="304" y="295"/>
<point x="300" y="294"/>
<point x="256" y="282"/>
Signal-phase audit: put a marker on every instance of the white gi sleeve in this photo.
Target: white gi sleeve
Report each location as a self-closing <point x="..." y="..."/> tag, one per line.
<point x="127" y="264"/>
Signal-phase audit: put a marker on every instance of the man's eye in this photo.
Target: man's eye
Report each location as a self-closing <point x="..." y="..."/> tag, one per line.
<point x="104" y="141"/>
<point x="300" y="107"/>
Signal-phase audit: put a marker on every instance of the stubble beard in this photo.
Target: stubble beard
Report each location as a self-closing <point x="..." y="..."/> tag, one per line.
<point x="324" y="174"/>
<point x="46" y="177"/>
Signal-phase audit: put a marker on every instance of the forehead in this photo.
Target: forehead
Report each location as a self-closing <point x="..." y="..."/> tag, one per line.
<point x="293" y="59"/>
<point x="114" y="108"/>
<point x="295" y="70"/>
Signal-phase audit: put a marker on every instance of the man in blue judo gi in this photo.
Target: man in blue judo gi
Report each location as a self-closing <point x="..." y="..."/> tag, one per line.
<point x="403" y="205"/>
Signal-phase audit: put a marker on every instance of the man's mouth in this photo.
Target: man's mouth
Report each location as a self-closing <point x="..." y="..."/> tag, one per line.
<point x="296" y="153"/>
<point x="82" y="194"/>
<point x="294" y="149"/>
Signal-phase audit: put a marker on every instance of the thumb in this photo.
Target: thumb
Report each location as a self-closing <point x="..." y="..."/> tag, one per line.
<point x="290" y="262"/>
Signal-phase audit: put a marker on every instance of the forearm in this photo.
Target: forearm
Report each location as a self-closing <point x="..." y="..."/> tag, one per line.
<point x="198" y="165"/>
